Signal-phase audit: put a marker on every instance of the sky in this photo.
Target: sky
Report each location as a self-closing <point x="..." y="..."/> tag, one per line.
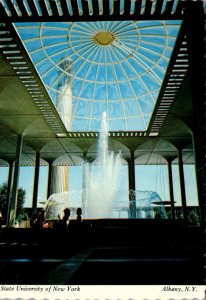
<point x="150" y="178"/>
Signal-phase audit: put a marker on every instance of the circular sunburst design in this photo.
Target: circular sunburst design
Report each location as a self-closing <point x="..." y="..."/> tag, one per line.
<point x="102" y="42"/>
<point x="104" y="38"/>
<point x="112" y="66"/>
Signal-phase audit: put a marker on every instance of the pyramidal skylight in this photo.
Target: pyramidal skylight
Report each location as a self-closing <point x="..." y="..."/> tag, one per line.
<point x="89" y="68"/>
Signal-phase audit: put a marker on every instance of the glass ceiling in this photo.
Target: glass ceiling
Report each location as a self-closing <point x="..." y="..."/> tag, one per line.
<point x="91" y="67"/>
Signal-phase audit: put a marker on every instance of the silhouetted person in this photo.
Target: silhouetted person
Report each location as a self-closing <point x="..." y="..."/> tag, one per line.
<point x="78" y="225"/>
<point x="38" y="220"/>
<point x="63" y="223"/>
<point x="79" y="215"/>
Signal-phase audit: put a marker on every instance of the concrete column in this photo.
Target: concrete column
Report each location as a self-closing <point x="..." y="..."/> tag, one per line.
<point x="182" y="185"/>
<point x="195" y="34"/>
<point x="36" y="183"/>
<point x="14" y="194"/>
<point x="132" y="188"/>
<point x="169" y="160"/>
<point x="84" y="187"/>
<point x="49" y="179"/>
<point x="9" y="189"/>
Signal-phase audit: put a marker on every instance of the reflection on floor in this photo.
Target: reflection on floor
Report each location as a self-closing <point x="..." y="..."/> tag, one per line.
<point x="104" y="252"/>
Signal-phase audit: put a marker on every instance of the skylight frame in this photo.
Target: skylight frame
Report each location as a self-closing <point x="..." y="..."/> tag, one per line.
<point x="126" y="129"/>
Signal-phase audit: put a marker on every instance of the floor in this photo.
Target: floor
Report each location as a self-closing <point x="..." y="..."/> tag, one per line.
<point x="103" y="255"/>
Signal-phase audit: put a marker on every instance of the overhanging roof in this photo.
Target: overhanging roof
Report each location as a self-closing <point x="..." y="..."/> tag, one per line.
<point x="83" y="142"/>
<point x="91" y="10"/>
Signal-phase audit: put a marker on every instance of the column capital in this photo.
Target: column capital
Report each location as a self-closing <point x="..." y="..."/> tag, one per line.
<point x="180" y="145"/>
<point x="85" y="155"/>
<point x="170" y="158"/>
<point x="132" y="150"/>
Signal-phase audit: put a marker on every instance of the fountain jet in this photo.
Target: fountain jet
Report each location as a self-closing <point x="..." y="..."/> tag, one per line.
<point x="102" y="178"/>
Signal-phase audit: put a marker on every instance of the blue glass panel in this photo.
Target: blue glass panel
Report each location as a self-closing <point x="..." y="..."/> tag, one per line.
<point x="148" y="24"/>
<point x="100" y="73"/>
<point x="120" y="72"/>
<point x="159" y="72"/>
<point x="53" y="96"/>
<point x="56" y="49"/>
<point x="83" y="70"/>
<point x="77" y="65"/>
<point x="58" y="58"/>
<point x="59" y="41"/>
<point x="155" y="48"/>
<point x="113" y="92"/>
<point x="113" y="57"/>
<point x="172" y="30"/>
<point x="173" y="22"/>
<point x="163" y="63"/>
<point x="171" y="43"/>
<point x="134" y="123"/>
<point x="121" y="52"/>
<point x="146" y="104"/>
<point x="131" y="107"/>
<point x="147" y="118"/>
<point x="37" y="56"/>
<point x="130" y="72"/>
<point x="33" y="45"/>
<point x="136" y="65"/>
<point x="115" y="109"/>
<point x="98" y="107"/>
<point x="100" y="91"/>
<point x="154" y="30"/>
<point x="91" y="75"/>
<point x="83" y="108"/>
<point x="30" y="33"/>
<point x="111" y="76"/>
<point x="44" y="66"/>
<point x="167" y="53"/>
<point x="87" y="91"/>
<point x="27" y="24"/>
<point x="55" y="33"/>
<point x="52" y="24"/>
<point x="76" y="86"/>
<point x="80" y="124"/>
<point x="125" y="89"/>
<point x="54" y="84"/>
<point x="155" y="40"/>
<point x="49" y="78"/>
<point x="95" y="124"/>
<point x="155" y="94"/>
<point x="139" y="88"/>
<point x="92" y="54"/>
<point x="118" y="124"/>
<point x="150" y="82"/>
<point x="149" y="56"/>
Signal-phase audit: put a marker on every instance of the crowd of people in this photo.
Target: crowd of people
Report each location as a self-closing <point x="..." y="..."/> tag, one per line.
<point x="38" y="221"/>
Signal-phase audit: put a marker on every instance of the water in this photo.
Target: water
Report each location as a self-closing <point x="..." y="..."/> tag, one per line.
<point x="101" y="178"/>
<point x="101" y="194"/>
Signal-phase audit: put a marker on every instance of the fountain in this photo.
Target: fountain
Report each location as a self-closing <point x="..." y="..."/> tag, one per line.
<point x="102" y="178"/>
<point x="101" y="193"/>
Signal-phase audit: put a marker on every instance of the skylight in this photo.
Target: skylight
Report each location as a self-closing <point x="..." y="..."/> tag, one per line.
<point x="92" y="67"/>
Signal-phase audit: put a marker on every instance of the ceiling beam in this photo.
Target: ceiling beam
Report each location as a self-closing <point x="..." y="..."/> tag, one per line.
<point x="74" y="10"/>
